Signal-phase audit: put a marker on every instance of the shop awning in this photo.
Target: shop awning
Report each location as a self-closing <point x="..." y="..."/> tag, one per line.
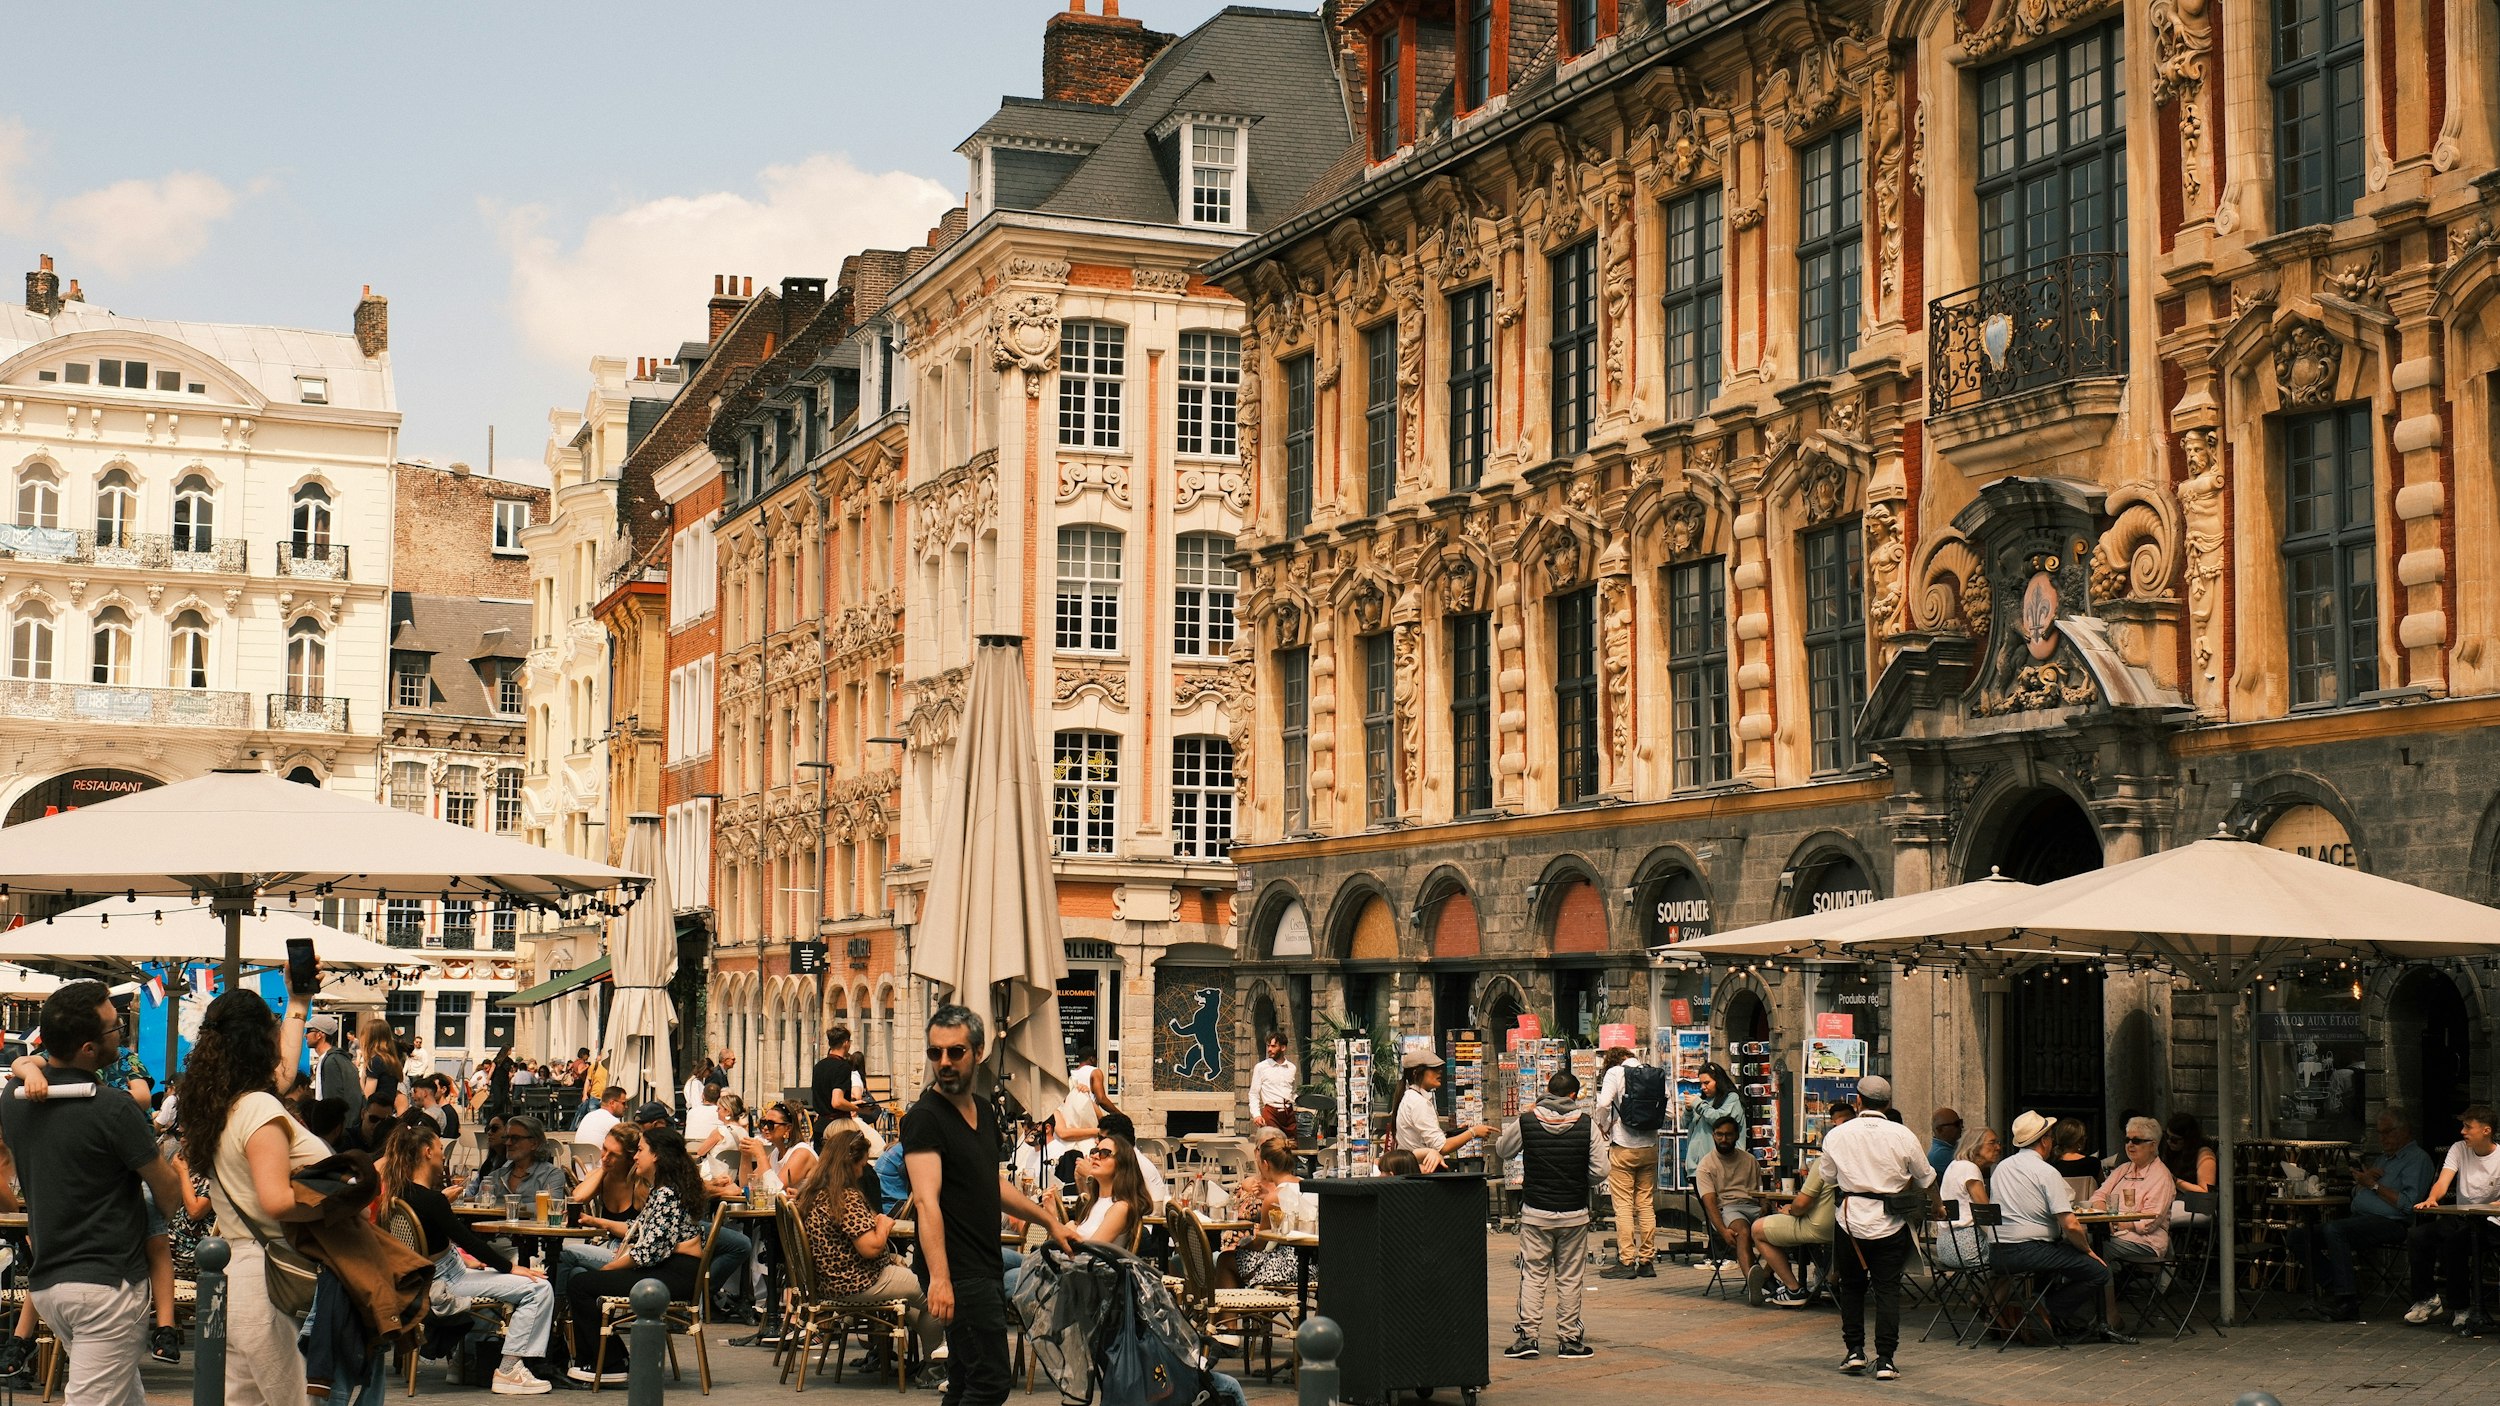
<point x="545" y="991"/>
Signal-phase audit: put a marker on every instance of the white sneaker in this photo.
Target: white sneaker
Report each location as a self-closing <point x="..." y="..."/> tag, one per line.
<point x="584" y="1374"/>
<point x="518" y="1380"/>
<point x="2424" y="1311"/>
<point x="2460" y="1320"/>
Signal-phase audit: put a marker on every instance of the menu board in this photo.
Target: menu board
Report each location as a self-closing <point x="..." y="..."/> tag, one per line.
<point x="1833" y="1068"/>
<point x="1356" y="1156"/>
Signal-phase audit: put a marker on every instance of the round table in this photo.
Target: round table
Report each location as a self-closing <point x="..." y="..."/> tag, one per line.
<point x="2116" y="1217"/>
<point x="2475" y="1320"/>
<point x="525" y="1231"/>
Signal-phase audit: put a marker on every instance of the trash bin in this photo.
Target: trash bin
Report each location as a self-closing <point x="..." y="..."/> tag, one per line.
<point x="1404" y="1276"/>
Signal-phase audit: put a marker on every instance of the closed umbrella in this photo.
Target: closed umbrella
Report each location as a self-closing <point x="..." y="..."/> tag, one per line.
<point x="989" y="932"/>
<point x="640" y="1015"/>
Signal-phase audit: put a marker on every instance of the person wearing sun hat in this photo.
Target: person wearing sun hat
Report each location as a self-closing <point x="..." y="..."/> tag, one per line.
<point x="2041" y="1236"/>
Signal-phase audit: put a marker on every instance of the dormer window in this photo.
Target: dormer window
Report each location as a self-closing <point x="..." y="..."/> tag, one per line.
<point x="1216" y="195"/>
<point x="1476" y="48"/>
<point x="1584" y="23"/>
<point x="313" y="390"/>
<point x="1384" y="114"/>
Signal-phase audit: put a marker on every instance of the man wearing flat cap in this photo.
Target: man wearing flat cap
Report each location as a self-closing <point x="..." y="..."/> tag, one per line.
<point x="1879" y="1166"/>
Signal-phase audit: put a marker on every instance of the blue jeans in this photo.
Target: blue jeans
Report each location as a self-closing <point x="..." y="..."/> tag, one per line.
<point x="533" y="1301"/>
<point x="733" y="1264"/>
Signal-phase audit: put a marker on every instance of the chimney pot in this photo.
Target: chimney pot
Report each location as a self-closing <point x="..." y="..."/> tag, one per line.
<point x="75" y="294"/>
<point x="750" y="287"/>
<point x="372" y="323"/>
<point x="1093" y="58"/>
<point x="43" y="289"/>
<point x="44" y="262"/>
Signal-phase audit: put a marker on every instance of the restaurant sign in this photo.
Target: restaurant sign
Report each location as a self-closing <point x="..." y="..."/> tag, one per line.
<point x="2312" y="832"/>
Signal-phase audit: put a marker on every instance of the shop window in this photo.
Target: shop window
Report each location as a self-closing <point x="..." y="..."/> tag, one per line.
<point x="1471" y="712"/>
<point x="1830" y="252"/>
<point x="2330" y="548"/>
<point x="2317" y="110"/>
<point x="1835" y="641"/>
<point x="1574" y="346"/>
<point x="1300" y="427"/>
<point x="1471" y="384"/>
<point x="1697" y="671"/>
<point x="1380" y="416"/>
<point x="1575" y="695"/>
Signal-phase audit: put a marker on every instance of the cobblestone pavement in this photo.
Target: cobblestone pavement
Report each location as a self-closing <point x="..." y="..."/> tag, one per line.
<point x="1659" y="1339"/>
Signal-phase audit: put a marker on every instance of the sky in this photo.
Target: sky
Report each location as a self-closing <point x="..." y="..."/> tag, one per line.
<point x="530" y="185"/>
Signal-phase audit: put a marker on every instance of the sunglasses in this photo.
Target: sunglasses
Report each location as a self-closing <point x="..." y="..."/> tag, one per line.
<point x="948" y="1054"/>
<point x="2139" y="1142"/>
<point x="776" y="1123"/>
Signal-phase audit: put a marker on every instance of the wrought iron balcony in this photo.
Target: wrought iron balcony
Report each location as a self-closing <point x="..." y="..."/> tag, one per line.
<point x="2064" y="320"/>
<point x="317" y="561"/>
<point x="306" y="712"/>
<point x="119" y="703"/>
<point x="158" y="551"/>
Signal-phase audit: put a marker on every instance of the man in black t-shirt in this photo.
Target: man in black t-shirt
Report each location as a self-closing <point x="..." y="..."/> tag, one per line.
<point x="829" y="1091"/>
<point x="950" y="1151"/>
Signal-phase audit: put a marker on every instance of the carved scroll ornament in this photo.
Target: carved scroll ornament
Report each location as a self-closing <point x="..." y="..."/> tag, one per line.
<point x="1024" y="336"/>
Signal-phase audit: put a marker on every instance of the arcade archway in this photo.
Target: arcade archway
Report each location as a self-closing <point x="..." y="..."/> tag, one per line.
<point x="2054" y="1055"/>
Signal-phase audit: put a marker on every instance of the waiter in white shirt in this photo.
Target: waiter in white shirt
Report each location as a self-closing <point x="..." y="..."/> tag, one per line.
<point x="1878" y="1165"/>
<point x="1272" y="1086"/>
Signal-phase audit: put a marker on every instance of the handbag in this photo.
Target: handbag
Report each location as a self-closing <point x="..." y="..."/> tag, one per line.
<point x="289" y="1276"/>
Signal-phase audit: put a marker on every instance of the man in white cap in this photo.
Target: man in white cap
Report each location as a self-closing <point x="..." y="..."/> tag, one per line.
<point x="1418" y="1125"/>
<point x="1881" y="1167"/>
<point x="2041" y="1236"/>
<point x="334" y="1074"/>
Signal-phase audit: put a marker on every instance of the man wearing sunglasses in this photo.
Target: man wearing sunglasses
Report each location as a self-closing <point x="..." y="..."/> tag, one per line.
<point x="951" y="1152"/>
<point x="526" y="1170"/>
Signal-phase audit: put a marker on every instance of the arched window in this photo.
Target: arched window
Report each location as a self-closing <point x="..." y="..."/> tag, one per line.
<point x="195" y="515"/>
<point x="39" y="497"/>
<point x="30" y="644"/>
<point x="312" y="521"/>
<point x="307" y="661"/>
<point x="116" y="509"/>
<point x="190" y="652"/>
<point x="111" y="655"/>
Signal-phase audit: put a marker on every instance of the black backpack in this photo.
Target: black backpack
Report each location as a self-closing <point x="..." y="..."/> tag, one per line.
<point x="1643" y="1107"/>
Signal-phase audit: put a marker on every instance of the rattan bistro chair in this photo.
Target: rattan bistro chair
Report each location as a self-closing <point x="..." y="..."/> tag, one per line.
<point x="820" y="1319"/>
<point x="1254" y="1314"/>
<point x="400" y="1223"/>
<point x="616" y="1314"/>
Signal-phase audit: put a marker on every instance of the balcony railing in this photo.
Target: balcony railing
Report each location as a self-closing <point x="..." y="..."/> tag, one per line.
<point x="306" y="712"/>
<point x="2064" y="320"/>
<point x="160" y="551"/>
<point x="317" y="561"/>
<point x="116" y="703"/>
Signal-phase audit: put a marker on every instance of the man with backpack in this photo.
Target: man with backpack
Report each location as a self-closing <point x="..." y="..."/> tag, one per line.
<point x="1561" y="1155"/>
<point x="1632" y="1107"/>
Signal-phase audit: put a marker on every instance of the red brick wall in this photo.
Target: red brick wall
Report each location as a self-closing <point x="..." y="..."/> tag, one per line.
<point x="443" y="534"/>
<point x="1090" y="58"/>
<point x="1454" y="932"/>
<point x="1580" y="919"/>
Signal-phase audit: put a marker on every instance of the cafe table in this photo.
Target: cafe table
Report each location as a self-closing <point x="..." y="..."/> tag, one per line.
<point x="768" y="1331"/>
<point x="2476" y="1321"/>
<point x="524" y="1234"/>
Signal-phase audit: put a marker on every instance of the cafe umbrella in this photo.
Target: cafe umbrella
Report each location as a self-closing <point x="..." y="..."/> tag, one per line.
<point x="636" y="1038"/>
<point x="989" y="931"/>
<point x="1827" y="935"/>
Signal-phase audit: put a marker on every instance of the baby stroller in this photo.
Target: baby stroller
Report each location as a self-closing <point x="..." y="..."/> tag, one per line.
<point x="1102" y="1325"/>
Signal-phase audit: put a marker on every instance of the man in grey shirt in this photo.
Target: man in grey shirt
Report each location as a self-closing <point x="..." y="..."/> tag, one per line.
<point x="2041" y="1236"/>
<point x="81" y="1157"/>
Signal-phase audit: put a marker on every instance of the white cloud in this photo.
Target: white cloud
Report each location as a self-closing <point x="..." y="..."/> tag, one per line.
<point x="634" y="282"/>
<point x="17" y="204"/>
<point x="140" y="224"/>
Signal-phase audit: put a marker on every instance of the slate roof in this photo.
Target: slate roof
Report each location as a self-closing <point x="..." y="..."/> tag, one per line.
<point x="458" y="634"/>
<point x="269" y="358"/>
<point x="1272" y="65"/>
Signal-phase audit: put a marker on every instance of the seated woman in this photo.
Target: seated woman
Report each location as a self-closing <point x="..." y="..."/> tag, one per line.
<point x="413" y="1173"/>
<point x="1806" y="1221"/>
<point x="1258" y="1266"/>
<point x="1961" y="1244"/>
<point x="610" y="1197"/>
<point x="2141" y="1184"/>
<point x="1398" y="1162"/>
<point x="2067" y="1157"/>
<point x="851" y="1242"/>
<point x="663" y="1243"/>
<point x="779" y="1158"/>
<point x="2190" y="1160"/>
<point x="1115" y="1205"/>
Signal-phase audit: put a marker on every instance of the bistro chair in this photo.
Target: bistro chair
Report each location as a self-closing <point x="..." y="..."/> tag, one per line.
<point x="2194" y="1250"/>
<point x="1253" y="1314"/>
<point x="817" y="1316"/>
<point x="2026" y="1294"/>
<point x="616" y="1315"/>
<point x="1957" y="1275"/>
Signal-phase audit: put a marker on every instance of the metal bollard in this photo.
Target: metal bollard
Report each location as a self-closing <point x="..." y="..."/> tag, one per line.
<point x="1319" y="1341"/>
<point x="646" y="1379"/>
<point x="208" y="1354"/>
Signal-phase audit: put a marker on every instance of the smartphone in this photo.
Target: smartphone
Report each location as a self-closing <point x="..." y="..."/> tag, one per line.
<point x="303" y="974"/>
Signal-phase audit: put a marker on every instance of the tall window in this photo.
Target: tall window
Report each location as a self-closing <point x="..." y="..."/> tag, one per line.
<point x="1579" y="26"/>
<point x="508" y="689"/>
<point x="1202" y="797"/>
<point x="1089" y="589"/>
<point x="1829" y="253"/>
<point x="1835" y="641"/>
<point x="1471" y="384"/>
<point x="1085" y="792"/>
<point x="410" y="791"/>
<point x="1697" y="671"/>
<point x="116" y="509"/>
<point x="1293" y="711"/>
<point x="2317" y="110"/>
<point x="312" y="521"/>
<point x="460" y="796"/>
<point x="190" y="651"/>
<point x="505" y="925"/>
<point x="1093" y="359"/>
<point x="195" y="515"/>
<point x="2052" y="154"/>
<point x="507" y="800"/>
<point x="1693" y="303"/>
<point x="460" y="926"/>
<point x="1210" y="392"/>
<point x="1380" y="729"/>
<point x="1476" y="54"/>
<point x="307" y="660"/>
<point x="1471" y="711"/>
<point x="1385" y="114"/>
<point x="1575" y="695"/>
<point x="1214" y="175"/>
<point x="512" y="518"/>
<point x="1574" y="345"/>
<point x="1299" y="430"/>
<point x="2330" y="545"/>
<point x="403" y="924"/>
<point x="451" y="1014"/>
<point x="1380" y="416"/>
<point x="38" y="498"/>
<point x="1202" y="596"/>
<point x="30" y="644"/>
<point x="109" y="661"/>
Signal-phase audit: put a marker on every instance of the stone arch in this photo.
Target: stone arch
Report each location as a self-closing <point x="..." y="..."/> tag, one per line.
<point x="1266" y="1010"/>
<point x="1818" y="849"/>
<point x="2482" y="882"/>
<point x="1565" y="890"/>
<point x="2263" y="801"/>
<point x="1451" y="927"/>
<point x="1349" y="910"/>
<point x="1266" y="912"/>
<point x="1994" y="804"/>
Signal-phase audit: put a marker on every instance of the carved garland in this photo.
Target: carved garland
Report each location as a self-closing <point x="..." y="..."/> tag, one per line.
<point x="2013" y="23"/>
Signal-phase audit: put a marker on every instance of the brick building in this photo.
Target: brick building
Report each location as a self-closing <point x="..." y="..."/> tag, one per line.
<point x="1715" y="461"/>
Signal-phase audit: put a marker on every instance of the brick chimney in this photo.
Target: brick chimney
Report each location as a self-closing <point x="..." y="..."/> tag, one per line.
<point x="727" y="300"/>
<point x="373" y="323"/>
<point x="43" y="289"/>
<point x="1093" y="58"/>
<point x="801" y="298"/>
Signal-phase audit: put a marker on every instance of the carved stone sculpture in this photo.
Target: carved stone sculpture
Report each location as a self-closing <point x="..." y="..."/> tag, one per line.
<point x="1024" y="336"/>
<point x="2306" y="358"/>
<point x="2202" y="503"/>
<point x="1681" y="526"/>
<point x="1885" y="558"/>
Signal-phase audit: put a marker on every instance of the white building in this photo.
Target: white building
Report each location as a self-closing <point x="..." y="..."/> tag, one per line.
<point x="194" y="549"/>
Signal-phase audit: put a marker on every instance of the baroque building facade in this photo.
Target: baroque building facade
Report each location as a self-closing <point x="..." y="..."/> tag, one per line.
<point x="1713" y="462"/>
<point x="195" y="549"/>
<point x="1073" y="479"/>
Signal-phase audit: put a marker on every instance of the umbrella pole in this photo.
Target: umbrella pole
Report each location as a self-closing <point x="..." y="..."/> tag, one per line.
<point x="173" y="1018"/>
<point x="2228" y="1013"/>
<point x="230" y="909"/>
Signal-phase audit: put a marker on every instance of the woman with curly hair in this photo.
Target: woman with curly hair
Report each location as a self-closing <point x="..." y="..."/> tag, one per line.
<point x="664" y="1244"/>
<point x="236" y="1129"/>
